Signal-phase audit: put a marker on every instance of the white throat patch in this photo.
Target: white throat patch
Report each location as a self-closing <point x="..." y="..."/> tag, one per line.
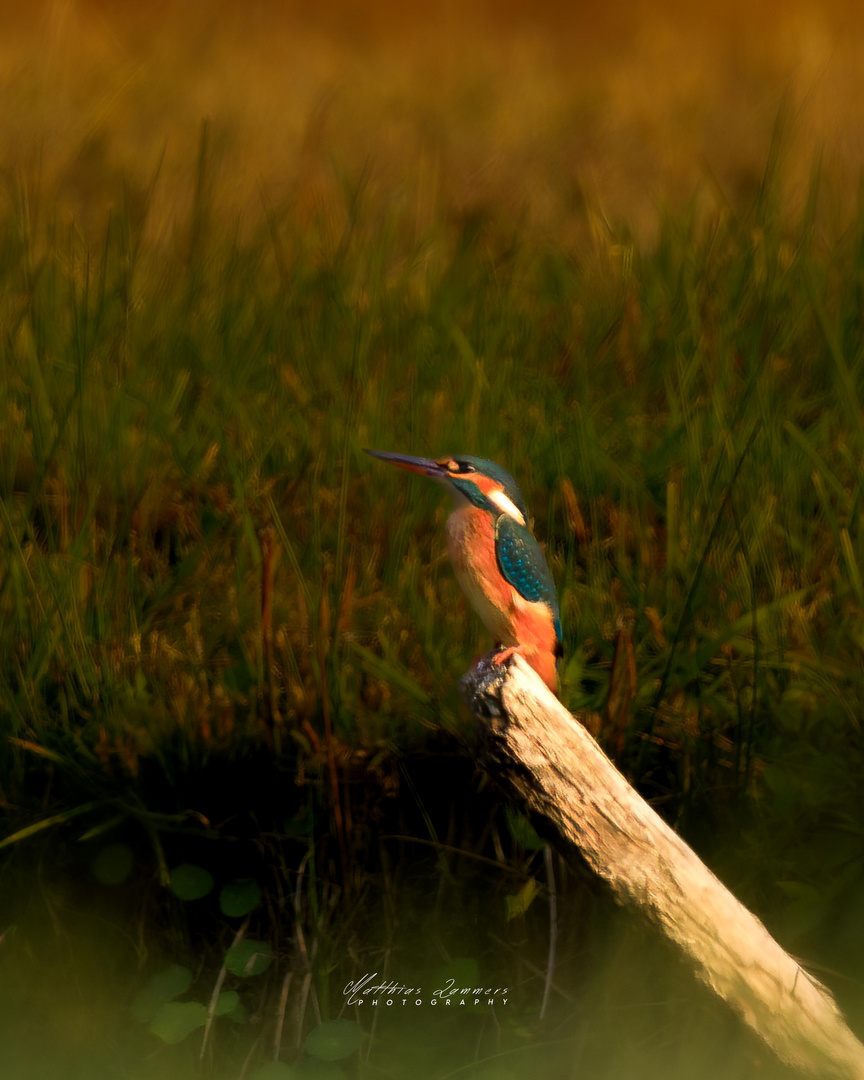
<point x="506" y="506"/>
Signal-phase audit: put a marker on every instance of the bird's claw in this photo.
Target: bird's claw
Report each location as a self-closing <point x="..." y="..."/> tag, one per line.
<point x="503" y="655"/>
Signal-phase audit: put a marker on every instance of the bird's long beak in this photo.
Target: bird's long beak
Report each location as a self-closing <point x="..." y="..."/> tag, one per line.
<point x="424" y="466"/>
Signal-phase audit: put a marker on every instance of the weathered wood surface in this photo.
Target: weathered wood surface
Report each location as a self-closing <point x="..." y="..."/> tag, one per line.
<point x="532" y="745"/>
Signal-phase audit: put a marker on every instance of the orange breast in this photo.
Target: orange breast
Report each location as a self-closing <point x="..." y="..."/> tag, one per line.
<point x="471" y="542"/>
<point x="511" y="619"/>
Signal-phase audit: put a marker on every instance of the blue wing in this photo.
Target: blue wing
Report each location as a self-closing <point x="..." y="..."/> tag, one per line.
<point x="523" y="564"/>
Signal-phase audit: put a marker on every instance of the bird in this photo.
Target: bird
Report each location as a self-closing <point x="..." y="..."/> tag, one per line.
<point x="497" y="560"/>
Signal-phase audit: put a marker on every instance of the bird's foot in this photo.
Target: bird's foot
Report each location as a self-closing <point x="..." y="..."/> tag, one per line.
<point x="503" y="655"/>
<point x="544" y="663"/>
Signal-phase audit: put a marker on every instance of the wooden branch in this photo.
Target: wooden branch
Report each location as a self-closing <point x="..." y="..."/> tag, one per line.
<point x="541" y="754"/>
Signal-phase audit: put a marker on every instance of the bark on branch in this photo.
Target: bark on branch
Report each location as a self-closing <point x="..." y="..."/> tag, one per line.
<point x="541" y="754"/>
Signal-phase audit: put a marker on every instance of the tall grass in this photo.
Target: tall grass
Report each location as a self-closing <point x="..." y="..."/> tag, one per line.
<point x="204" y="581"/>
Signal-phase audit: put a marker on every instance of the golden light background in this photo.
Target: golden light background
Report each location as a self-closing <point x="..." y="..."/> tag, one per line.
<point x="538" y="109"/>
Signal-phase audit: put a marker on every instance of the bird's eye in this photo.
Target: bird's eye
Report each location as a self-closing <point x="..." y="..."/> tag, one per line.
<point x="457" y="467"/>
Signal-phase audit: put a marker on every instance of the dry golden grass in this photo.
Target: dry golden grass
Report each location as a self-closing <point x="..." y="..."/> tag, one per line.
<point x="538" y="110"/>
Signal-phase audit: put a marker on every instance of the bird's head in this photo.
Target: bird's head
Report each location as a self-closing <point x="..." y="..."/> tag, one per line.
<point x="476" y="480"/>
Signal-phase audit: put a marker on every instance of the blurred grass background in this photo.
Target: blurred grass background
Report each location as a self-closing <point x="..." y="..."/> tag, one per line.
<point x="621" y="251"/>
<point x="538" y="109"/>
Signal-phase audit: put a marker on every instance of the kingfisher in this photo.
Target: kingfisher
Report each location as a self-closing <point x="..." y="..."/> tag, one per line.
<point x="499" y="564"/>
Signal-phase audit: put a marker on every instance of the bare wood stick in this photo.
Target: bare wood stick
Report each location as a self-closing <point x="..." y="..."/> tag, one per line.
<point x="545" y="757"/>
